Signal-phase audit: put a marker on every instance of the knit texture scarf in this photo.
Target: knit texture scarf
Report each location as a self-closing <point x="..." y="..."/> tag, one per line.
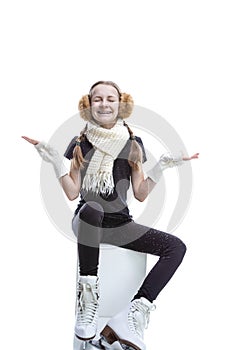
<point x="107" y="143"/>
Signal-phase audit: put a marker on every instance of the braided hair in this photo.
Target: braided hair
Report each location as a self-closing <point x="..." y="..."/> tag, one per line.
<point x="78" y="159"/>
<point x="135" y="154"/>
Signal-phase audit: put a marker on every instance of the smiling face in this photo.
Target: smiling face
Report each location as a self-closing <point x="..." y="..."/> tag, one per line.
<point x="105" y="105"/>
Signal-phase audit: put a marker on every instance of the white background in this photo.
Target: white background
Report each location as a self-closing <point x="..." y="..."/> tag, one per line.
<point x="174" y="57"/>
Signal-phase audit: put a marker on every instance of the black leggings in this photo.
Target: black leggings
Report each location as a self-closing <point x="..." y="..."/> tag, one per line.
<point x="87" y="226"/>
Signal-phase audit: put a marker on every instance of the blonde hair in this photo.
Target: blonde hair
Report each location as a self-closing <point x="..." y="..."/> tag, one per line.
<point x="126" y="104"/>
<point x="135" y="154"/>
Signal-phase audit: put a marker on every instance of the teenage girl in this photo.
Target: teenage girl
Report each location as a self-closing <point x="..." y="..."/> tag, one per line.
<point x="105" y="158"/>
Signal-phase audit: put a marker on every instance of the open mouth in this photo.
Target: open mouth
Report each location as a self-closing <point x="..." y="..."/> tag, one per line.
<point x="104" y="113"/>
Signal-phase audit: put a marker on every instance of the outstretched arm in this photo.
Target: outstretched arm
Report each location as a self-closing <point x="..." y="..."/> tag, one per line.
<point x="141" y="186"/>
<point x="69" y="180"/>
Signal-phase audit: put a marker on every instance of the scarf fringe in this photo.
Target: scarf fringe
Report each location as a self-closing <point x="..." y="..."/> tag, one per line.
<point x="101" y="182"/>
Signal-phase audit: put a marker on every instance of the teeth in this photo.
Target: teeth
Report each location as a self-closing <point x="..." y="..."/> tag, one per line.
<point x="104" y="112"/>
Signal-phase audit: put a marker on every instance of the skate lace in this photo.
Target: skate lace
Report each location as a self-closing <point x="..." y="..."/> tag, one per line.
<point x="139" y="317"/>
<point x="87" y="303"/>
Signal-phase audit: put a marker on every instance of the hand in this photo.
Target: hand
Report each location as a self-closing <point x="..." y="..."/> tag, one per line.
<point x="167" y="161"/>
<point x="49" y="154"/>
<point x="34" y="142"/>
<point x="195" y="156"/>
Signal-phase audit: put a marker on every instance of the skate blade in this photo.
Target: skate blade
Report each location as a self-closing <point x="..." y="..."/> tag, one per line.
<point x="127" y="347"/>
<point x="117" y="345"/>
<point x="96" y="343"/>
<point x="104" y="345"/>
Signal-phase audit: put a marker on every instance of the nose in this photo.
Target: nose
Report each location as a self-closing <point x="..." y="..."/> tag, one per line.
<point x="105" y="103"/>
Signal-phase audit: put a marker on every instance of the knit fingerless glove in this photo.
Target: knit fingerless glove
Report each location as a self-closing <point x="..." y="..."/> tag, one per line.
<point x="50" y="155"/>
<point x="165" y="161"/>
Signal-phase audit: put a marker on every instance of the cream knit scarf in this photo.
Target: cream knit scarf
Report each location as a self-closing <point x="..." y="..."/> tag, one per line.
<point x="108" y="143"/>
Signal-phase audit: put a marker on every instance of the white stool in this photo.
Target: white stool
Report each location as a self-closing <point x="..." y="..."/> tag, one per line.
<point x="121" y="272"/>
